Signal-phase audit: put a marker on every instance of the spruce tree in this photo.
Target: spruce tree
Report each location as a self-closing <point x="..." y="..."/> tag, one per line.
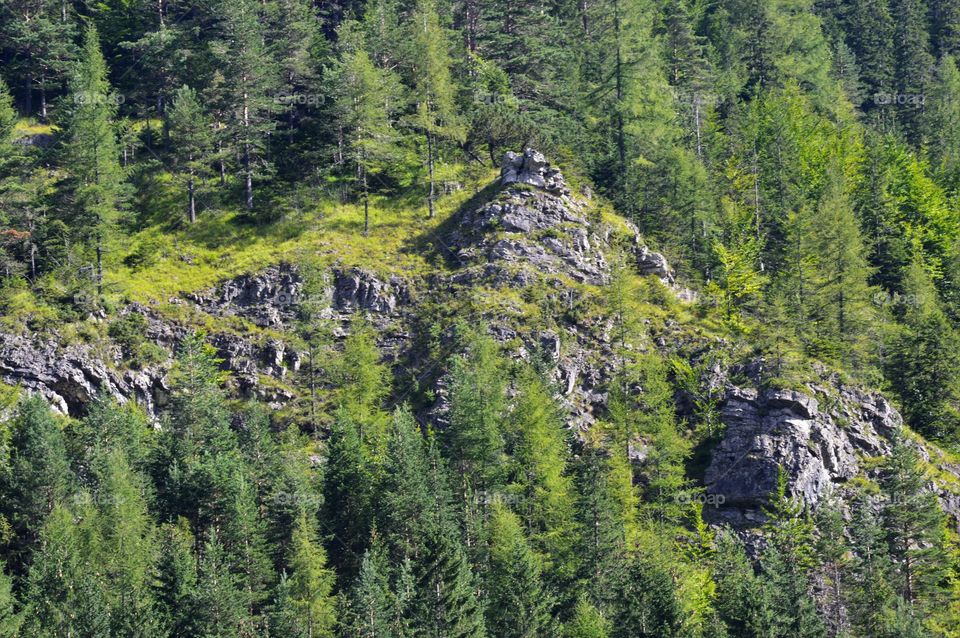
<point x="914" y="64"/>
<point x="914" y="526"/>
<point x="251" y="83"/>
<point x="219" y="603"/>
<point x="474" y="440"/>
<point x="922" y="360"/>
<point x="445" y="604"/>
<point x="646" y="601"/>
<point x="309" y="584"/>
<point x="871" y="595"/>
<point x="176" y="578"/>
<point x="941" y="121"/>
<point x="191" y="138"/>
<point x="42" y="37"/>
<point x="540" y="483"/>
<point x="408" y="499"/>
<point x="37" y="478"/>
<point x="348" y="498"/>
<point x="365" y="108"/>
<point x="65" y="582"/>
<point x="743" y="600"/>
<point x="870" y="30"/>
<point x="91" y="152"/>
<point x="371" y="608"/>
<point x="11" y="616"/>
<point x="587" y="622"/>
<point x="128" y="548"/>
<point x="788" y="562"/>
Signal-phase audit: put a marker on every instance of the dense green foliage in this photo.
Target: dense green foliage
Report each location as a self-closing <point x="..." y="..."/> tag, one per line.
<point x="797" y="160"/>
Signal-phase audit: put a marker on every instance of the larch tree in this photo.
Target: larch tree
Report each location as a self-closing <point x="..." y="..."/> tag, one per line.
<point x="435" y="113"/>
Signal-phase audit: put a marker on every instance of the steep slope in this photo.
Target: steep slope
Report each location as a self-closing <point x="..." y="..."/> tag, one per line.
<point x="532" y="263"/>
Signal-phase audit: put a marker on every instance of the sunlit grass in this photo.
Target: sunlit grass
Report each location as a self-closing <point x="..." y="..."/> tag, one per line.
<point x="223" y="244"/>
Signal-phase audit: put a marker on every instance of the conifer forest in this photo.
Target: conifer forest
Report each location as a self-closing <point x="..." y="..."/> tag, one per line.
<point x="480" y="318"/>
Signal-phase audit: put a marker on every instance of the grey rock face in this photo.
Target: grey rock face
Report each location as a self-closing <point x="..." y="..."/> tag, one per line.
<point x="531" y="168"/>
<point x="816" y="445"/>
<point x="71" y="377"/>
<point x="651" y="263"/>
<point x="547" y="234"/>
<point x="358" y="289"/>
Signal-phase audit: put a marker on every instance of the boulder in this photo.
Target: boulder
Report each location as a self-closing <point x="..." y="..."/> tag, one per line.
<point x="531" y="168"/>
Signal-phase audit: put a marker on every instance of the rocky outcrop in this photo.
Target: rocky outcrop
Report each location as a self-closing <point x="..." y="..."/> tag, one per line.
<point x="651" y="263"/>
<point x="532" y="168"/>
<point x="72" y="376"/>
<point x="818" y="444"/>
<point x="542" y="231"/>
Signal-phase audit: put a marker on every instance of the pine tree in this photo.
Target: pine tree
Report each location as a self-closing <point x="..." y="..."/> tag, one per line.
<point x="365" y="108"/>
<point x="37" y="478"/>
<point x="191" y="138"/>
<point x="445" y="602"/>
<point x="914" y="526"/>
<point x="251" y="82"/>
<point x="92" y="155"/>
<point x="435" y="115"/>
<point x="518" y="604"/>
<point x="870" y="30"/>
<point x="11" y="618"/>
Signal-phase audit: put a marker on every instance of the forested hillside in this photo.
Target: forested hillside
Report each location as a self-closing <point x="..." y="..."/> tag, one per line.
<point x="479" y="318"/>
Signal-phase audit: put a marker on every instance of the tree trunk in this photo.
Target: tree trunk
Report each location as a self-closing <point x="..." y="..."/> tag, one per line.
<point x="99" y="265"/>
<point x="193" y="201"/>
<point x="249" y="175"/>
<point x="366" y="204"/>
<point x="430" y="197"/>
